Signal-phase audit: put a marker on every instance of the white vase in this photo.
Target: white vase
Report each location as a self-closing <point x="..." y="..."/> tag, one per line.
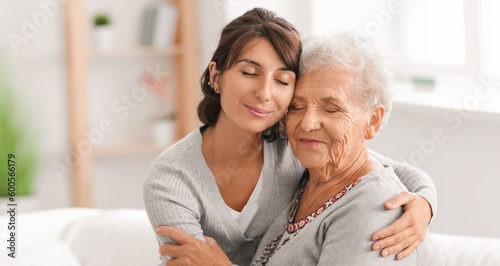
<point x="104" y="38"/>
<point x="163" y="132"/>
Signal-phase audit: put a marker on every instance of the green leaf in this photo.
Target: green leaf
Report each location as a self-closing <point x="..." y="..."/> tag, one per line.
<point x="15" y="138"/>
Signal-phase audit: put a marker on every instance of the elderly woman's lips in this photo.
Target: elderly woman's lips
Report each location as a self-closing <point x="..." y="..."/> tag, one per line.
<point x="306" y="141"/>
<point x="257" y="112"/>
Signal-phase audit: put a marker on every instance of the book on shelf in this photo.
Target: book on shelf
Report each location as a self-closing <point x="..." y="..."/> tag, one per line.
<point x="159" y="24"/>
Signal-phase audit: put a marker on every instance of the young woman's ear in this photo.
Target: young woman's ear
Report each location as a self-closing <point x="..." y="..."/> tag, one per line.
<point x="214" y="75"/>
<point x="375" y="120"/>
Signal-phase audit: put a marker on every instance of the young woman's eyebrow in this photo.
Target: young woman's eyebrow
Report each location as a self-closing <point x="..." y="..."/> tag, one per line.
<point x="249" y="61"/>
<point x="257" y="64"/>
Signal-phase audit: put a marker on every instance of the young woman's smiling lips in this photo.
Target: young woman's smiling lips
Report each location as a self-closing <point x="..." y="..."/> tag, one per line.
<point x="257" y="112"/>
<point x="309" y="142"/>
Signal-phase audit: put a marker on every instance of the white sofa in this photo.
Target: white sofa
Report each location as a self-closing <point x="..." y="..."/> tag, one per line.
<point x="91" y="237"/>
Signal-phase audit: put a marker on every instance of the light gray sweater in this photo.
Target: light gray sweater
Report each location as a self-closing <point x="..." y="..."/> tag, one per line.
<point x="341" y="233"/>
<point x="180" y="191"/>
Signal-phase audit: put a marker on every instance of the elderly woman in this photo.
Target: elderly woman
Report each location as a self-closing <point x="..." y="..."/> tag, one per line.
<point x="342" y="99"/>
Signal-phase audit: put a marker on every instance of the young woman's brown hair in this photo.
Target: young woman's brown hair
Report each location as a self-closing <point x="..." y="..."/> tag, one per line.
<point x="256" y="23"/>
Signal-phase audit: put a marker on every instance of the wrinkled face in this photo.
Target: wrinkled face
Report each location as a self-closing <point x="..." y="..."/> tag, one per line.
<point x="257" y="90"/>
<point x="325" y="124"/>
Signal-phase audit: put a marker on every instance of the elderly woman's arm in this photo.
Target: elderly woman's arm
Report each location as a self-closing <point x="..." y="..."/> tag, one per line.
<point x="347" y="238"/>
<point x="408" y="232"/>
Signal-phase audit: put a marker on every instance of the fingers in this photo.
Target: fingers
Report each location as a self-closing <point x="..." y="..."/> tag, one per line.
<point x="172" y="262"/>
<point x="396" y="227"/>
<point x="171" y="250"/>
<point x="399" y="246"/>
<point x="407" y="251"/>
<point x="400" y="200"/>
<point x="210" y="240"/>
<point x="176" y="234"/>
<point x="395" y="242"/>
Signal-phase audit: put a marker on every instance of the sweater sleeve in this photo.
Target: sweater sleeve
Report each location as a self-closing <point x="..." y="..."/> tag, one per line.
<point x="169" y="200"/>
<point x="415" y="180"/>
<point x="347" y="236"/>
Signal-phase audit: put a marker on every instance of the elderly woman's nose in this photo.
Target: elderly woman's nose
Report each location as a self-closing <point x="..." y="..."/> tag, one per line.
<point x="311" y="120"/>
<point x="264" y="91"/>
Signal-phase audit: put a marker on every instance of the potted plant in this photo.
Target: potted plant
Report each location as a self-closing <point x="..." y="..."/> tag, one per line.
<point x="103" y="32"/>
<point x="17" y="149"/>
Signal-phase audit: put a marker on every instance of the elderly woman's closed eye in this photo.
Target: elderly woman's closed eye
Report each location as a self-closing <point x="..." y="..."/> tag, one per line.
<point x="342" y="98"/>
<point x="327" y="125"/>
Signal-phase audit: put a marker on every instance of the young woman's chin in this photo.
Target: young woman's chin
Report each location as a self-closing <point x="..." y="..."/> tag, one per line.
<point x="250" y="123"/>
<point x="257" y="125"/>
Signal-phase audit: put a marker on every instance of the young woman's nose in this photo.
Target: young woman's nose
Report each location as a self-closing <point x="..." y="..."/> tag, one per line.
<point x="310" y="121"/>
<point x="264" y="92"/>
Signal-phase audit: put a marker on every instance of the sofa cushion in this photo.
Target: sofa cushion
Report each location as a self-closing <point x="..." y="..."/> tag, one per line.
<point x="114" y="237"/>
<point x="468" y="251"/>
<point x="51" y="252"/>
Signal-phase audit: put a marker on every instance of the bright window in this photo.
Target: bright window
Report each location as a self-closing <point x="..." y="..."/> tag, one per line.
<point x="425" y="37"/>
<point x="490" y="36"/>
<point x="434" y="32"/>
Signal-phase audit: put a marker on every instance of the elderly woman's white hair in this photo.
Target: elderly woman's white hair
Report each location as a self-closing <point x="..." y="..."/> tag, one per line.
<point x="360" y="55"/>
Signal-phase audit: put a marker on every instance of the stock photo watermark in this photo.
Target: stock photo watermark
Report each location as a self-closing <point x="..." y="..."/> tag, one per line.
<point x="454" y="118"/>
<point x="233" y="168"/>
<point x="224" y="7"/>
<point x="121" y="107"/>
<point x="31" y="26"/>
<point x="12" y="206"/>
<point x="381" y="19"/>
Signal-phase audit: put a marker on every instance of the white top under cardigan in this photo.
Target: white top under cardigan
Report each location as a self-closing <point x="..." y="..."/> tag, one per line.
<point x="248" y="212"/>
<point x="180" y="191"/>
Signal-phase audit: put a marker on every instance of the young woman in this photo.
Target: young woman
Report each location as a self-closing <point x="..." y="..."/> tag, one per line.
<point x="230" y="178"/>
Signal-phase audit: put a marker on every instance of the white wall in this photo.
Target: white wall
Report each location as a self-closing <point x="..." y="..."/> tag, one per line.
<point x="463" y="167"/>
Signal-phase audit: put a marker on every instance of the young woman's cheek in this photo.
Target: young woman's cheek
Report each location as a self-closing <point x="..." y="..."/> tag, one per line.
<point x="291" y="123"/>
<point x="286" y="99"/>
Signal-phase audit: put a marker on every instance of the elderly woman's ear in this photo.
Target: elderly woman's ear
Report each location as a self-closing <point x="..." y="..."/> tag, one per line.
<point x="374" y="121"/>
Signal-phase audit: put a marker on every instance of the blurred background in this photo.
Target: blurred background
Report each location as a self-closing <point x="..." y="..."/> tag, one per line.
<point x="92" y="92"/>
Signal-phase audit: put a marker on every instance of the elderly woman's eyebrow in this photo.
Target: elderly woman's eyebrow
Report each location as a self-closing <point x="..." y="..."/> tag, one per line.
<point x="331" y="100"/>
<point x="334" y="101"/>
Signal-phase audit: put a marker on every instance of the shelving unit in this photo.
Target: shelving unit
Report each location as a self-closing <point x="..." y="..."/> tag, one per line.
<point x="184" y="53"/>
<point x="141" y="51"/>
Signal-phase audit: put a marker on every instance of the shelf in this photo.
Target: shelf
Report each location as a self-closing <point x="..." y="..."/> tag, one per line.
<point x="129" y="148"/>
<point x="184" y="57"/>
<point x="139" y="51"/>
